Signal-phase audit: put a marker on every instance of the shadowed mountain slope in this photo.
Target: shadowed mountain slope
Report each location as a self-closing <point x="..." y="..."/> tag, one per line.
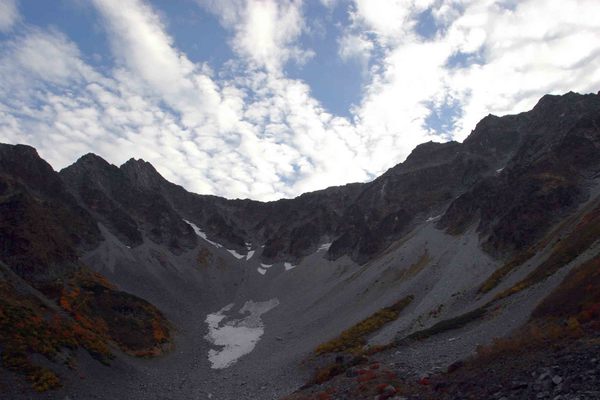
<point x="51" y="304"/>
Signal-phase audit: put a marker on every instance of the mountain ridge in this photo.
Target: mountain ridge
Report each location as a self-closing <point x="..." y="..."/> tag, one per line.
<point x="349" y="221"/>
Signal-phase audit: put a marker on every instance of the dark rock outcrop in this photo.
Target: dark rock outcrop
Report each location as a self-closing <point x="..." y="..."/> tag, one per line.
<point x="128" y="201"/>
<point x="542" y="182"/>
<point x="41" y="223"/>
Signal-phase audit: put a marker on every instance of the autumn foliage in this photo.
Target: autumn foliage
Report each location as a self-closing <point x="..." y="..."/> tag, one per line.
<point x="136" y="326"/>
<point x="91" y="315"/>
<point x="353" y="339"/>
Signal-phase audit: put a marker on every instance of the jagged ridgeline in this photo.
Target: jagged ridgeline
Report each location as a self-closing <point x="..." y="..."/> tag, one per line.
<point x="117" y="283"/>
<point x="52" y="304"/>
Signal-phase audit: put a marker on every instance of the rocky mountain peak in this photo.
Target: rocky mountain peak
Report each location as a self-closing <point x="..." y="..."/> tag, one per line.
<point x="142" y="174"/>
<point x="23" y="162"/>
<point x="92" y="159"/>
<point x="431" y="153"/>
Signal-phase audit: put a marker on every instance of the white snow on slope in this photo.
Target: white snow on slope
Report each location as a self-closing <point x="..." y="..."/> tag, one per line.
<point x="324" y="247"/>
<point x="499" y="170"/>
<point x="266" y="266"/>
<point x="201" y="233"/>
<point x="288" y="266"/>
<point x="236" y="337"/>
<point x="430" y="219"/>
<point x="261" y="271"/>
<point x="236" y="254"/>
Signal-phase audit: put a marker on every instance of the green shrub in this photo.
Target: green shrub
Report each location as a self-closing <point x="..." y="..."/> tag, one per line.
<point x="354" y="339"/>
<point x="449" y="324"/>
<point x="495" y="279"/>
<point x="584" y="235"/>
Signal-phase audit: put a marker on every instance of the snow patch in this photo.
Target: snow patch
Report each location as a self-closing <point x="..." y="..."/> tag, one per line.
<point x="250" y="254"/>
<point x="324" y="247"/>
<point x="266" y="265"/>
<point x="236" y="254"/>
<point x="499" y="170"/>
<point x="288" y="266"/>
<point x="430" y="219"/>
<point x="201" y="233"/>
<point x="261" y="271"/>
<point x="236" y="337"/>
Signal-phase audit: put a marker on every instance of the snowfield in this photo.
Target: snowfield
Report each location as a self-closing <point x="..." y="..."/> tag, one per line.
<point x="236" y="337"/>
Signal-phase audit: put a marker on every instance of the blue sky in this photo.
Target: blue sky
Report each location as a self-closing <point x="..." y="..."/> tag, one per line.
<point x="268" y="99"/>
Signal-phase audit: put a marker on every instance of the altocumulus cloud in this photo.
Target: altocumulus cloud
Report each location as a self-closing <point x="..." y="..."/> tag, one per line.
<point x="251" y="130"/>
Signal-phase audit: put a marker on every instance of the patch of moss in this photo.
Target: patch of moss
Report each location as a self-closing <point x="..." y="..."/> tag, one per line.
<point x="495" y="279"/>
<point x="582" y="237"/>
<point x="135" y="325"/>
<point x="354" y="339"/>
<point x="578" y="296"/>
<point x="327" y="372"/>
<point x="27" y="327"/>
<point x="571" y="311"/>
<point x="520" y="258"/>
<point x="418" y="266"/>
<point x="94" y="315"/>
<point x="449" y="324"/>
<point x="42" y="379"/>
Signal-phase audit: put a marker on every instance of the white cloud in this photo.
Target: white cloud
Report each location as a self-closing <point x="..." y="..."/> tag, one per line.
<point x="9" y="15"/>
<point x="265" y="31"/>
<point x="524" y="50"/>
<point x="533" y="48"/>
<point x="354" y="46"/>
<point x="50" y="56"/>
<point x="390" y="20"/>
<point x="250" y="130"/>
<point x="329" y="3"/>
<point x="139" y="40"/>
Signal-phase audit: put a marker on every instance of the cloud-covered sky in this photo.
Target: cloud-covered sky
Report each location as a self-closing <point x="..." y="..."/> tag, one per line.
<point x="272" y="98"/>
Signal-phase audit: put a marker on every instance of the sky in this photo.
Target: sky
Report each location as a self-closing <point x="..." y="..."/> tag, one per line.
<point x="268" y="99"/>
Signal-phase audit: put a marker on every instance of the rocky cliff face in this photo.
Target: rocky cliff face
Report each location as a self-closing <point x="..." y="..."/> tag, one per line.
<point x="543" y="181"/>
<point x="41" y="223"/>
<point x="511" y="176"/>
<point x="128" y="200"/>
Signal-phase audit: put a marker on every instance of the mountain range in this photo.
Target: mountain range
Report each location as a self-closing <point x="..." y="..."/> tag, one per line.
<point x="117" y="283"/>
